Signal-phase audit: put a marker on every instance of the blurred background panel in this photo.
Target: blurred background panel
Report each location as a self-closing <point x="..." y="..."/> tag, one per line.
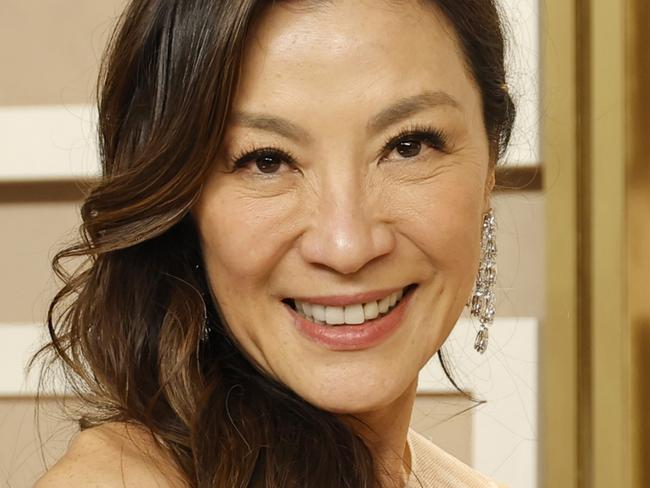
<point x="594" y="343"/>
<point x="50" y="52"/>
<point x="50" y="49"/>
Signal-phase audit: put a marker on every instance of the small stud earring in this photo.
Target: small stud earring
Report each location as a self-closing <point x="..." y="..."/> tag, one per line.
<point x="482" y="301"/>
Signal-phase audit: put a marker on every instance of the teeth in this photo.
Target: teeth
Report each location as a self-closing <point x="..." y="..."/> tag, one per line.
<point x="351" y="314"/>
<point x="371" y="310"/>
<point x="384" y="305"/>
<point x="354" y="314"/>
<point x="306" y="309"/>
<point x="318" y="312"/>
<point x="334" y="315"/>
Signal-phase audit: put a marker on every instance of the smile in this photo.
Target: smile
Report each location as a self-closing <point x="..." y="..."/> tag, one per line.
<point x="350" y="323"/>
<point x="350" y="314"/>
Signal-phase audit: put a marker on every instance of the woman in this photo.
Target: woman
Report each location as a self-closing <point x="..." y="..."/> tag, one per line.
<point x="288" y="227"/>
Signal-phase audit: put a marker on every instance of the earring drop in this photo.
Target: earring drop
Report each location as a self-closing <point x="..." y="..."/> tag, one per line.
<point x="482" y="301"/>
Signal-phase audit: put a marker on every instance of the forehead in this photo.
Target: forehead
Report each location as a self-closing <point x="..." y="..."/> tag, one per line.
<point x="333" y="52"/>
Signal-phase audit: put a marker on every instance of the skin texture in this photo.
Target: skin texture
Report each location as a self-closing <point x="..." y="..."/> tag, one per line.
<point x="347" y="216"/>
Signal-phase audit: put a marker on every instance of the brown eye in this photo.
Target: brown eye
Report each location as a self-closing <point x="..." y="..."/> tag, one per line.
<point x="268" y="164"/>
<point x="413" y="143"/>
<point x="409" y="149"/>
<point x="267" y="161"/>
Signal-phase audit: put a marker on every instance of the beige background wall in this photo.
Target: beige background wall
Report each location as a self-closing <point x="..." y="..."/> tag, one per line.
<point x="53" y="48"/>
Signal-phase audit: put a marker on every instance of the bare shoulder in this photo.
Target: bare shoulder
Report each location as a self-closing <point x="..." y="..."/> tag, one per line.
<point x="113" y="455"/>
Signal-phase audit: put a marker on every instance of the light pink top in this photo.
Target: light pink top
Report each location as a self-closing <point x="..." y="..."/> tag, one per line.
<point x="431" y="467"/>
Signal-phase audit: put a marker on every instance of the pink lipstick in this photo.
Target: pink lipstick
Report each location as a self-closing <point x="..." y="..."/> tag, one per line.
<point x="353" y="337"/>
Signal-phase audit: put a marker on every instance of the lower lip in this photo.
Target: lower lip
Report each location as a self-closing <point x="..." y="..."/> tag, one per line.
<point x="353" y="337"/>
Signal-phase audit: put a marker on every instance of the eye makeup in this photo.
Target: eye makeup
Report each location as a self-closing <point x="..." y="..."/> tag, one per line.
<point x="435" y="138"/>
<point x="270" y="157"/>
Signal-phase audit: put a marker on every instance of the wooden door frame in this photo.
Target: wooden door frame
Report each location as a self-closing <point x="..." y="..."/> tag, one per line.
<point x="597" y="183"/>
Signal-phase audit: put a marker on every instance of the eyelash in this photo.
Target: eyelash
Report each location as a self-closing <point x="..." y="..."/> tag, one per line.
<point x="436" y="138"/>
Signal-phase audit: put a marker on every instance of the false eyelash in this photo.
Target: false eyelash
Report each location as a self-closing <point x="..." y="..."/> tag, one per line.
<point x="252" y="152"/>
<point x="437" y="138"/>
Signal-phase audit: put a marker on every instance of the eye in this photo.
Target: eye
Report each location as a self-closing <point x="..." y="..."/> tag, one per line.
<point x="409" y="149"/>
<point x="408" y="144"/>
<point x="264" y="161"/>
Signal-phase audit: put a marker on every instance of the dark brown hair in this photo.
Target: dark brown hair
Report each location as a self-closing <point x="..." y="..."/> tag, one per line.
<point x="128" y="324"/>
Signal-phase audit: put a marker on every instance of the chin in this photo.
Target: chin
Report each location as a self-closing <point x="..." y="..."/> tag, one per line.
<point x="355" y="397"/>
<point x="351" y="406"/>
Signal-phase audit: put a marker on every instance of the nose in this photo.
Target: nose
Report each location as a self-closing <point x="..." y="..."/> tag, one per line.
<point x="346" y="230"/>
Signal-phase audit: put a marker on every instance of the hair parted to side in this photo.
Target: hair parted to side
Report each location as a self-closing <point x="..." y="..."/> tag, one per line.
<point x="127" y="324"/>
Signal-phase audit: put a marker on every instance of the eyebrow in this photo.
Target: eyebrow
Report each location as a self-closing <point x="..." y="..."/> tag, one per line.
<point x="394" y="113"/>
<point x="407" y="107"/>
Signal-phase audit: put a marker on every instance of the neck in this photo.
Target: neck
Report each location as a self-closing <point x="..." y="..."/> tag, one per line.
<point x="385" y="432"/>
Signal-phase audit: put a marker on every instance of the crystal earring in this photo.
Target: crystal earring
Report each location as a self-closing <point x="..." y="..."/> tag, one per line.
<point x="482" y="301"/>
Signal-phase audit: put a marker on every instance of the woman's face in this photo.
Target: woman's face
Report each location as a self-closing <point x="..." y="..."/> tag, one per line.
<point x="354" y="165"/>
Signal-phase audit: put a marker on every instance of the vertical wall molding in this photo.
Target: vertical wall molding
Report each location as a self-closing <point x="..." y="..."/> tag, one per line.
<point x="638" y="233"/>
<point x="598" y="200"/>
<point x="610" y="340"/>
<point x="584" y="252"/>
<point x="559" y="333"/>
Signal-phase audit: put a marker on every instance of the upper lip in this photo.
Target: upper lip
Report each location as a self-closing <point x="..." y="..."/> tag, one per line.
<point x="353" y="299"/>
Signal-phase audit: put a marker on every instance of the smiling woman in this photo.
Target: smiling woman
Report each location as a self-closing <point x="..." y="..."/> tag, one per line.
<point x="288" y="227"/>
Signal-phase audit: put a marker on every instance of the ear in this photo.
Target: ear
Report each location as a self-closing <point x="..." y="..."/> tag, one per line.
<point x="490" y="182"/>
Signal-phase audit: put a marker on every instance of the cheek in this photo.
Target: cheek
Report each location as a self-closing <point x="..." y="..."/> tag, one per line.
<point x="244" y="236"/>
<point x="443" y="218"/>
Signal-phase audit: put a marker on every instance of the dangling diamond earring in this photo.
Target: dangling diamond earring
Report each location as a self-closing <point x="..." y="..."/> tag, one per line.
<point x="482" y="301"/>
